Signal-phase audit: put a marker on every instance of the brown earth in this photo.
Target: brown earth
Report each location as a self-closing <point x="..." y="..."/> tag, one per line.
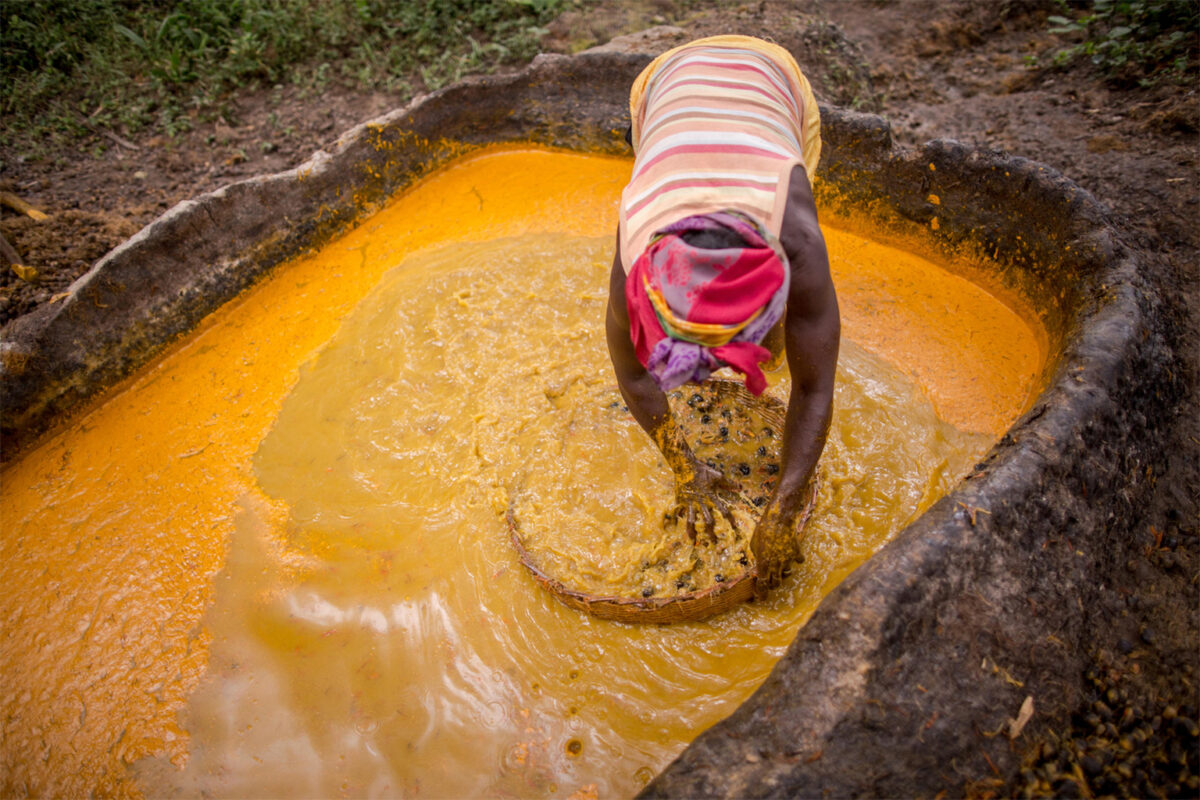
<point x="935" y="68"/>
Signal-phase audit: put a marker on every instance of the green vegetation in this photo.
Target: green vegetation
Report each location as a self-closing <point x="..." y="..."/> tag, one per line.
<point x="70" y="65"/>
<point x="1132" y="41"/>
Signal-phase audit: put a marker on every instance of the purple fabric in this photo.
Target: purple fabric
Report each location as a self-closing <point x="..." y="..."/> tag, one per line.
<point x="674" y="362"/>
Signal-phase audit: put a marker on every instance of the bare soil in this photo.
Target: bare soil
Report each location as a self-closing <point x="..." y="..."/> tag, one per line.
<point x="936" y="68"/>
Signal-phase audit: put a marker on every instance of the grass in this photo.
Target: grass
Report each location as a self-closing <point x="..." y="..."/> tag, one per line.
<point x="69" y="66"/>
<point x="1132" y="42"/>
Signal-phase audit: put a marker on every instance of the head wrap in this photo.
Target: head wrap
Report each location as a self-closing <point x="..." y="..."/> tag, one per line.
<point x="694" y="310"/>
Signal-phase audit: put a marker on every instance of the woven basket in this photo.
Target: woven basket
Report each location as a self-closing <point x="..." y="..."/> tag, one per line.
<point x="690" y="407"/>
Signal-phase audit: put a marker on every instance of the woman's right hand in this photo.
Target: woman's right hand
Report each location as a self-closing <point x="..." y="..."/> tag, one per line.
<point x="701" y="492"/>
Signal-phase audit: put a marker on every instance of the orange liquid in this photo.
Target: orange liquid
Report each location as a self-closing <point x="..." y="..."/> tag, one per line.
<point x="371" y="631"/>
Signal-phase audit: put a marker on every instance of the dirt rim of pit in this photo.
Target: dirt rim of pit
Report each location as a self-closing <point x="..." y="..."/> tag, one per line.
<point x="910" y="677"/>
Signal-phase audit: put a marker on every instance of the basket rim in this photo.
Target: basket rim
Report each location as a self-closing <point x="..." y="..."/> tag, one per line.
<point x="633" y="607"/>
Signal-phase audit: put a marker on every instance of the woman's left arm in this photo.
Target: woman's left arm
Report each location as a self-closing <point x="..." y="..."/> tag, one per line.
<point x="812" y="330"/>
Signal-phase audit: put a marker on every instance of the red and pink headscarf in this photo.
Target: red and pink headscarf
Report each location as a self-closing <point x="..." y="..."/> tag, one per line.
<point x="694" y="310"/>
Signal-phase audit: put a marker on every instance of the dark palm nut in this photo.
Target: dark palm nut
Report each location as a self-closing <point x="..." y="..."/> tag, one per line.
<point x="1067" y="788"/>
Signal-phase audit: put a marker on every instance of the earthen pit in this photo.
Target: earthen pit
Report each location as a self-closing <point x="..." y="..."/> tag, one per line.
<point x="904" y="680"/>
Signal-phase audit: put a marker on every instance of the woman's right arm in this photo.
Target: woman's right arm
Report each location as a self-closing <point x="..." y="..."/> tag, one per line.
<point x="698" y="487"/>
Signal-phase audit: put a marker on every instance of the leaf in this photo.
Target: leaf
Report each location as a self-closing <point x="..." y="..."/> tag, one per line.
<point x="1023" y="716"/>
<point x="1056" y="20"/>
<point x="130" y="35"/>
<point x="1119" y="31"/>
<point x="28" y="274"/>
<point x="169" y="21"/>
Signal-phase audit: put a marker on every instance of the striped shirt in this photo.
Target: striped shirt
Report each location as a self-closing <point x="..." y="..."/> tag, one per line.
<point x="717" y="124"/>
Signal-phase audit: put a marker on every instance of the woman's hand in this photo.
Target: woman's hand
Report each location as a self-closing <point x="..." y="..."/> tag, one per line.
<point x="776" y="546"/>
<point x="699" y="491"/>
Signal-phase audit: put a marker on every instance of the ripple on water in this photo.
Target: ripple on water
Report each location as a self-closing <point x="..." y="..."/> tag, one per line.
<point x="387" y="632"/>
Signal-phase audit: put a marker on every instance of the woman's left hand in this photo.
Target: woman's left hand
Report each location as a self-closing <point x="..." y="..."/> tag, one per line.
<point x="776" y="546"/>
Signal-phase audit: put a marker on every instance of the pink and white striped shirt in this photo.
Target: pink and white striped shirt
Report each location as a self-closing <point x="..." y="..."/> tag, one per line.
<point x="717" y="124"/>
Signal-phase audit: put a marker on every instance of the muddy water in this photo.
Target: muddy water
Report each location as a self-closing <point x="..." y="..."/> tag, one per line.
<point x="403" y="648"/>
<point x="276" y="561"/>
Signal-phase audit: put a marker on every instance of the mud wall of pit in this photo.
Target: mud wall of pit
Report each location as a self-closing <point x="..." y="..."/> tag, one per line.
<point x="908" y="677"/>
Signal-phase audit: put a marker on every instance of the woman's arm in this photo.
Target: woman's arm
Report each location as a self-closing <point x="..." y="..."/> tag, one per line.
<point x="812" y="329"/>
<point x="698" y="487"/>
